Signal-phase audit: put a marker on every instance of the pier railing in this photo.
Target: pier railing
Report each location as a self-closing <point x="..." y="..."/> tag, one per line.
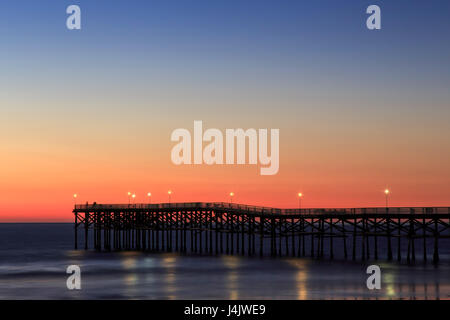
<point x="263" y="210"/>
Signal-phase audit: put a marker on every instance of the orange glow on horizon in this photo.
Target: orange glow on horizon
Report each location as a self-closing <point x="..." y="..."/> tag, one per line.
<point x="38" y="185"/>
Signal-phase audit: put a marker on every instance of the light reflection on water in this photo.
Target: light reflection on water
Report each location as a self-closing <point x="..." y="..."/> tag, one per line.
<point x="225" y="277"/>
<point x="169" y="263"/>
<point x="156" y="276"/>
<point x="232" y="278"/>
<point x="135" y="275"/>
<point x="301" y="277"/>
<point x="389" y="281"/>
<point x="39" y="272"/>
<point x="129" y="262"/>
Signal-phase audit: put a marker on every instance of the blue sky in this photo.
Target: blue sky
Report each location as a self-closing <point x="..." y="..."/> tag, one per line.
<point x="280" y="36"/>
<point x="211" y="50"/>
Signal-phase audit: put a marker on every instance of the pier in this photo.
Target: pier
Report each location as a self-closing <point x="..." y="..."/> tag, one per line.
<point x="214" y="228"/>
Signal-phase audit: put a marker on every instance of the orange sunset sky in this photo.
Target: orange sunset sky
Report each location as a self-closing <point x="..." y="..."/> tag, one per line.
<point x="91" y="111"/>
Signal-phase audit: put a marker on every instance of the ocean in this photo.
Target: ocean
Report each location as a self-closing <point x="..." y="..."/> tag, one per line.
<point x="34" y="259"/>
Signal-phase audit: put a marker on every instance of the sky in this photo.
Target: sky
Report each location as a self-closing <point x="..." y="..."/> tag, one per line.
<point x="91" y="111"/>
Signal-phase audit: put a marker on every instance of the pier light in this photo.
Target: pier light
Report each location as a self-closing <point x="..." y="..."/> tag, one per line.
<point x="75" y="198"/>
<point x="133" y="196"/>
<point x="300" y="195"/>
<point x="386" y="193"/>
<point x="231" y="197"/>
<point x="169" y="193"/>
<point x="149" y="195"/>
<point x="129" y="197"/>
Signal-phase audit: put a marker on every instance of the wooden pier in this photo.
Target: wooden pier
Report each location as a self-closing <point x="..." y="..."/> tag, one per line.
<point x="235" y="229"/>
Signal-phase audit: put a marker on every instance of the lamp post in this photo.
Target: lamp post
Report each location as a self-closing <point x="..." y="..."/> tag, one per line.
<point x="300" y="195"/>
<point x="386" y="192"/>
<point x="169" y="193"/>
<point x="134" y="197"/>
<point x="75" y="198"/>
<point x="231" y="197"/>
<point x="149" y="195"/>
<point x="129" y="197"/>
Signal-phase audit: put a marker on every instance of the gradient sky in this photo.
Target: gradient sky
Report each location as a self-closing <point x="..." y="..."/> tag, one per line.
<point x="91" y="111"/>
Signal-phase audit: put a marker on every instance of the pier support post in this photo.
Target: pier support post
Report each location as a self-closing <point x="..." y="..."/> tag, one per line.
<point x="200" y="230"/>
<point x="300" y="235"/>
<point x="363" y="238"/>
<point x="280" y="222"/>
<point x="261" y="236"/>
<point x="86" y="229"/>
<point x="331" y="239"/>
<point x="272" y="238"/>
<point x="210" y="219"/>
<point x="157" y="215"/>
<point x="238" y="222"/>
<point x="232" y="233"/>
<point x="227" y="251"/>
<point x="399" y="255"/>
<point x="303" y="238"/>
<point x="411" y="235"/>
<point x="164" y="243"/>
<point x="293" y="236"/>
<point x="251" y="232"/>
<point x="389" y="245"/>
<point x="367" y="232"/>
<point x="221" y="233"/>
<point x="312" y="237"/>
<point x="185" y="218"/>
<point x="170" y="231"/>
<point x="436" y="245"/>
<point x="238" y="229"/>
<point x="243" y="233"/>
<point x="76" y="231"/>
<point x="354" y="240"/>
<point x="344" y="236"/>
<point x="216" y="244"/>
<point x="253" y="235"/>
<point x="424" y="229"/>
<point x="320" y="239"/>
<point x="375" y="237"/>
